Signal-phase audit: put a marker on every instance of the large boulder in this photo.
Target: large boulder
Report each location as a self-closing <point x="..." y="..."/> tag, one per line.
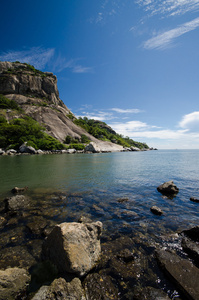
<point x="13" y="283"/>
<point x="74" y="247"/>
<point x="92" y="147"/>
<point x="27" y="149"/>
<point x="168" y="188"/>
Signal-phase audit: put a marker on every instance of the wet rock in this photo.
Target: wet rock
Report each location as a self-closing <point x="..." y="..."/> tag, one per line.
<point x="181" y="271"/>
<point x="13" y="283"/>
<point x="3" y="221"/>
<point x="126" y="255"/>
<point x="16" y="257"/>
<point x="37" y="225"/>
<point x="149" y="293"/>
<point x="74" y="247"/>
<point x="194" y="199"/>
<point x="168" y="188"/>
<point x="156" y="210"/>
<point x="100" y="287"/>
<point x="18" y="190"/>
<point x="192" y="233"/>
<point x="61" y="290"/>
<point x="84" y="219"/>
<point x="191" y="248"/>
<point x="122" y="200"/>
<point x="16" y="203"/>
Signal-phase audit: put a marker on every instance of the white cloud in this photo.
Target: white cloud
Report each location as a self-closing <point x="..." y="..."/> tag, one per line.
<point x="126" y="111"/>
<point x="97" y="115"/>
<point x="166" y="38"/>
<point x="36" y="56"/>
<point x="191" y="122"/>
<point x="169" y="7"/>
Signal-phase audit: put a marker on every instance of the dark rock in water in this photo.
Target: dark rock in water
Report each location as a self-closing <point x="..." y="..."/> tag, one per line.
<point x="191" y="248"/>
<point x="16" y="203"/>
<point x="100" y="287"/>
<point x="16" y="257"/>
<point x="122" y="200"/>
<point x="3" y="221"/>
<point x="194" y="199"/>
<point x="126" y="255"/>
<point x="168" y="188"/>
<point x="156" y="210"/>
<point x="74" y="247"/>
<point x="36" y="225"/>
<point x="16" y="190"/>
<point x="61" y="290"/>
<point x="13" y="283"/>
<point x="181" y="271"/>
<point x="192" y="233"/>
<point x="149" y="293"/>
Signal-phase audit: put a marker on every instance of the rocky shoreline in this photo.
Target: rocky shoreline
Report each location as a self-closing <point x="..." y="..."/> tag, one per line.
<point x="91" y="148"/>
<point x="43" y="259"/>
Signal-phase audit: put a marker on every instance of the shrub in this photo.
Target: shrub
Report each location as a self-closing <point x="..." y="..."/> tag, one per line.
<point x="6" y="103"/>
<point x="77" y="146"/>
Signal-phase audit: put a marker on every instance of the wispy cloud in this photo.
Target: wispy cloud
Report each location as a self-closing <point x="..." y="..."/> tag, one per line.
<point x="61" y="63"/>
<point x="126" y="111"/>
<point x="169" y="7"/>
<point x="36" y="56"/>
<point x="165" y="39"/>
<point x="97" y="115"/>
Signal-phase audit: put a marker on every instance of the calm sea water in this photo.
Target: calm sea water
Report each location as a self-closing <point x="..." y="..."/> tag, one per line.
<point x="100" y="180"/>
<point x="63" y="188"/>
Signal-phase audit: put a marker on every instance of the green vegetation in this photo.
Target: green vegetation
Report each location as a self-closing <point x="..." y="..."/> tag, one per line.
<point x="29" y="68"/>
<point x="99" y="130"/>
<point x="6" y="103"/>
<point x="25" y="129"/>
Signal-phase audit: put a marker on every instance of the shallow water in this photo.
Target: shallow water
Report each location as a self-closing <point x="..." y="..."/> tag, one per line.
<point x="66" y="187"/>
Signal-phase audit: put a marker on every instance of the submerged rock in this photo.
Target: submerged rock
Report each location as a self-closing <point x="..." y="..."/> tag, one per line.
<point x="149" y="293"/>
<point x="156" y="210"/>
<point x="191" y="248"/>
<point x="16" y="203"/>
<point x="192" y="233"/>
<point x="181" y="271"/>
<point x="13" y="283"/>
<point x="74" y="247"/>
<point x="168" y="188"/>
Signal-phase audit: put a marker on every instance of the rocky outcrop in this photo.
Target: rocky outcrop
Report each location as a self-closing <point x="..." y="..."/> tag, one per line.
<point x="74" y="247"/>
<point x="168" y="188"/>
<point x="37" y="94"/>
<point x="156" y="210"/>
<point x="13" y="283"/>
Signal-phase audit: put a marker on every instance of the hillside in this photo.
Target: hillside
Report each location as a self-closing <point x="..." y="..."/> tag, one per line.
<point x="32" y="96"/>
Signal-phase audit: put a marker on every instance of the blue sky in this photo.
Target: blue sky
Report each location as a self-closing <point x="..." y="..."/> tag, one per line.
<point x="131" y="63"/>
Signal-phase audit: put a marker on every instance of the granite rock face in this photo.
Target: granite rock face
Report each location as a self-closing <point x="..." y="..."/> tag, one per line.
<point x="73" y="247"/>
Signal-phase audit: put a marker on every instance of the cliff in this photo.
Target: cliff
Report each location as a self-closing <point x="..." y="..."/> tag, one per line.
<point x="37" y="94"/>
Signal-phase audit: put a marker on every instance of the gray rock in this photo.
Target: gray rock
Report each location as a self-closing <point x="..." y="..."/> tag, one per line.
<point x="71" y="151"/>
<point x="16" y="203"/>
<point x="13" y="283"/>
<point x="11" y="152"/>
<point x="156" y="210"/>
<point x="149" y="293"/>
<point x="18" y="190"/>
<point x="92" y="147"/>
<point x="27" y="149"/>
<point x="61" y="290"/>
<point x="2" y="152"/>
<point x="74" y="247"/>
<point x="182" y="272"/>
<point x="168" y="188"/>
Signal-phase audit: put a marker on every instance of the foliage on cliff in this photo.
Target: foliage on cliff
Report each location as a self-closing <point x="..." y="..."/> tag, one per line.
<point x="102" y="131"/>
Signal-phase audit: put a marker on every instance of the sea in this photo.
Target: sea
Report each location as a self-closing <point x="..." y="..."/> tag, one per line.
<point x="117" y="189"/>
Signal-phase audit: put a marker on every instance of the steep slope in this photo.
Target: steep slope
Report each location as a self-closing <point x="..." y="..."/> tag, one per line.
<point x="37" y="94"/>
